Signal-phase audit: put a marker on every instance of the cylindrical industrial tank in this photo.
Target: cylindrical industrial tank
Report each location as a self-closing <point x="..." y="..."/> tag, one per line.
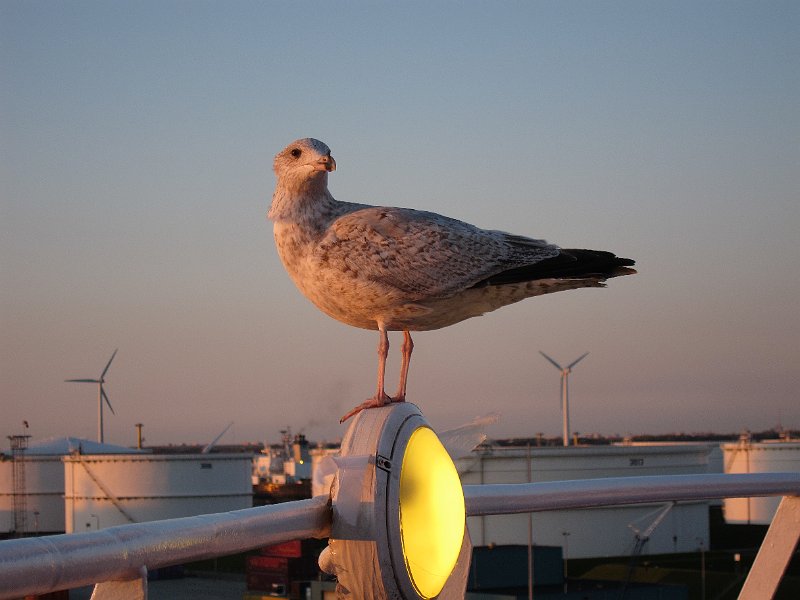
<point x="44" y="494"/>
<point x="102" y="491"/>
<point x="757" y="457"/>
<point x="589" y="533"/>
<point x="42" y="488"/>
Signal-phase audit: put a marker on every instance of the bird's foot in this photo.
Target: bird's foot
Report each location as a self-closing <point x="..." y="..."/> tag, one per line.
<point x="374" y="402"/>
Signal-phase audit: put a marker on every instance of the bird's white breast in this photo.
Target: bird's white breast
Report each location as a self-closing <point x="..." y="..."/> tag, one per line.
<point x="337" y="290"/>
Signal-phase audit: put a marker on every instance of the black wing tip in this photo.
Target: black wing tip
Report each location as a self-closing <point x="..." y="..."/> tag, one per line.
<point x="625" y="262"/>
<point x="624" y="267"/>
<point x="569" y="264"/>
<point x="604" y="262"/>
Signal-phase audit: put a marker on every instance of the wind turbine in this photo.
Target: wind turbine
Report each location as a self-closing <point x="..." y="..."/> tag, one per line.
<point x="101" y="395"/>
<point x="565" y="371"/>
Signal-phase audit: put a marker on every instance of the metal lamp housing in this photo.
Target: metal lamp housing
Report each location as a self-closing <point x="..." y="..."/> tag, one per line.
<point x="417" y="514"/>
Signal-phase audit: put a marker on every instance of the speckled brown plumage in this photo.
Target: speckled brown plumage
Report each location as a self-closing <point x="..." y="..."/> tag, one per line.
<point x="400" y="269"/>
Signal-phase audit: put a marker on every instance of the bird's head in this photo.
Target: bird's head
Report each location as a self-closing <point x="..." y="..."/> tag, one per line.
<point x="303" y="163"/>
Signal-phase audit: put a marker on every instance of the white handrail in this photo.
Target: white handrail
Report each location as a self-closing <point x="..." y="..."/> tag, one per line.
<point x="510" y="498"/>
<point x="39" y="565"/>
<point x="44" y="564"/>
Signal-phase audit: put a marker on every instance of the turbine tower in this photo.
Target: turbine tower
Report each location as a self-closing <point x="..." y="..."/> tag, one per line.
<point x="565" y="371"/>
<point x="101" y="395"/>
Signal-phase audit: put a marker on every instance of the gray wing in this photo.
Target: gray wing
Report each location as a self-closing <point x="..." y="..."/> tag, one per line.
<point x="423" y="254"/>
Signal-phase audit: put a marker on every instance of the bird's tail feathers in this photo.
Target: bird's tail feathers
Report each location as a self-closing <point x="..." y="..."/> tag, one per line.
<point x="570" y="264"/>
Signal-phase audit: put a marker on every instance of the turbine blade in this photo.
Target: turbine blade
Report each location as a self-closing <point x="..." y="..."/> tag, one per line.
<point x="555" y="364"/>
<point x="208" y="448"/>
<point x="577" y="360"/>
<point x="83" y="380"/>
<point x="105" y="397"/>
<point x="109" y="364"/>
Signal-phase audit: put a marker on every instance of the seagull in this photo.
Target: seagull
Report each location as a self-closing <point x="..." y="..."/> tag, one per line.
<point x="401" y="269"/>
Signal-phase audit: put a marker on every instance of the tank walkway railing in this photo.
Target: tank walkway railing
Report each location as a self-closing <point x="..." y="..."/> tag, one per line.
<point x="116" y="559"/>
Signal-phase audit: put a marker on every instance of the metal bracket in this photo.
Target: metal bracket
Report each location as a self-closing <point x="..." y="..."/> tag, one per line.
<point x="383" y="463"/>
<point x="775" y="553"/>
<point x="131" y="589"/>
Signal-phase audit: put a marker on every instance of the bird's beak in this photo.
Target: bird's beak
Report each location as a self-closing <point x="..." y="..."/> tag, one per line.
<point x="326" y="163"/>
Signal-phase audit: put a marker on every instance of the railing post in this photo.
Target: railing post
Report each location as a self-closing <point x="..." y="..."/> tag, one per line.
<point x="775" y="553"/>
<point x="130" y="589"/>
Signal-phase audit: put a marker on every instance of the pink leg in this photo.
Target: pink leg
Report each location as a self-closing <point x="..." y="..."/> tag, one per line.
<point x="380" y="398"/>
<point x="408" y="348"/>
<point x="383" y="352"/>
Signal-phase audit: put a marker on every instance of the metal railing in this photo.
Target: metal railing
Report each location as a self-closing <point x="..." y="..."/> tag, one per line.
<point x="118" y="558"/>
<point x="39" y="565"/>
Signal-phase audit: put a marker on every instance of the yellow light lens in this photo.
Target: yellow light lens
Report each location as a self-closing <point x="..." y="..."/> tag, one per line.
<point x="432" y="514"/>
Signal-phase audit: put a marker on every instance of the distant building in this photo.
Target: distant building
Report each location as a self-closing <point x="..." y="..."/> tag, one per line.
<point x="601" y="532"/>
<point x="43" y="483"/>
<point x="746" y="456"/>
<point x="105" y="490"/>
<point x="282" y="472"/>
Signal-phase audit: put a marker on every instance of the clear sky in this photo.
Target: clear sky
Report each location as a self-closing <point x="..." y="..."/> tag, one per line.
<point x="136" y="171"/>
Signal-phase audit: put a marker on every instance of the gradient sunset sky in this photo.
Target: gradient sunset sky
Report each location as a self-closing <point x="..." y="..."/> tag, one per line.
<point x="136" y="172"/>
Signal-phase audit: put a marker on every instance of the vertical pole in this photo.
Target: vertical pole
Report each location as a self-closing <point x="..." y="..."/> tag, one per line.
<point x="530" y="532"/>
<point x="100" y="413"/>
<point x="566" y="560"/>
<point x="483" y="517"/>
<point x="702" y="571"/>
<point x="565" y="404"/>
<point x="749" y="500"/>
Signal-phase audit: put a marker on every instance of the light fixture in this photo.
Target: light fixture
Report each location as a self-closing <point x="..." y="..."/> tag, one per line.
<point x="399" y="520"/>
<point x="432" y="513"/>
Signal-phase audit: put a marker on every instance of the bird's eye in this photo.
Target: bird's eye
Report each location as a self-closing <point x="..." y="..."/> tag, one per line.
<point x="296" y="152"/>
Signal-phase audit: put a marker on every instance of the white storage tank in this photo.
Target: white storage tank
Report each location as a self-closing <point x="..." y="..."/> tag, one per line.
<point x="44" y="483"/>
<point x="777" y="456"/>
<point x="600" y="532"/>
<point x="103" y="491"/>
<point x="44" y="494"/>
